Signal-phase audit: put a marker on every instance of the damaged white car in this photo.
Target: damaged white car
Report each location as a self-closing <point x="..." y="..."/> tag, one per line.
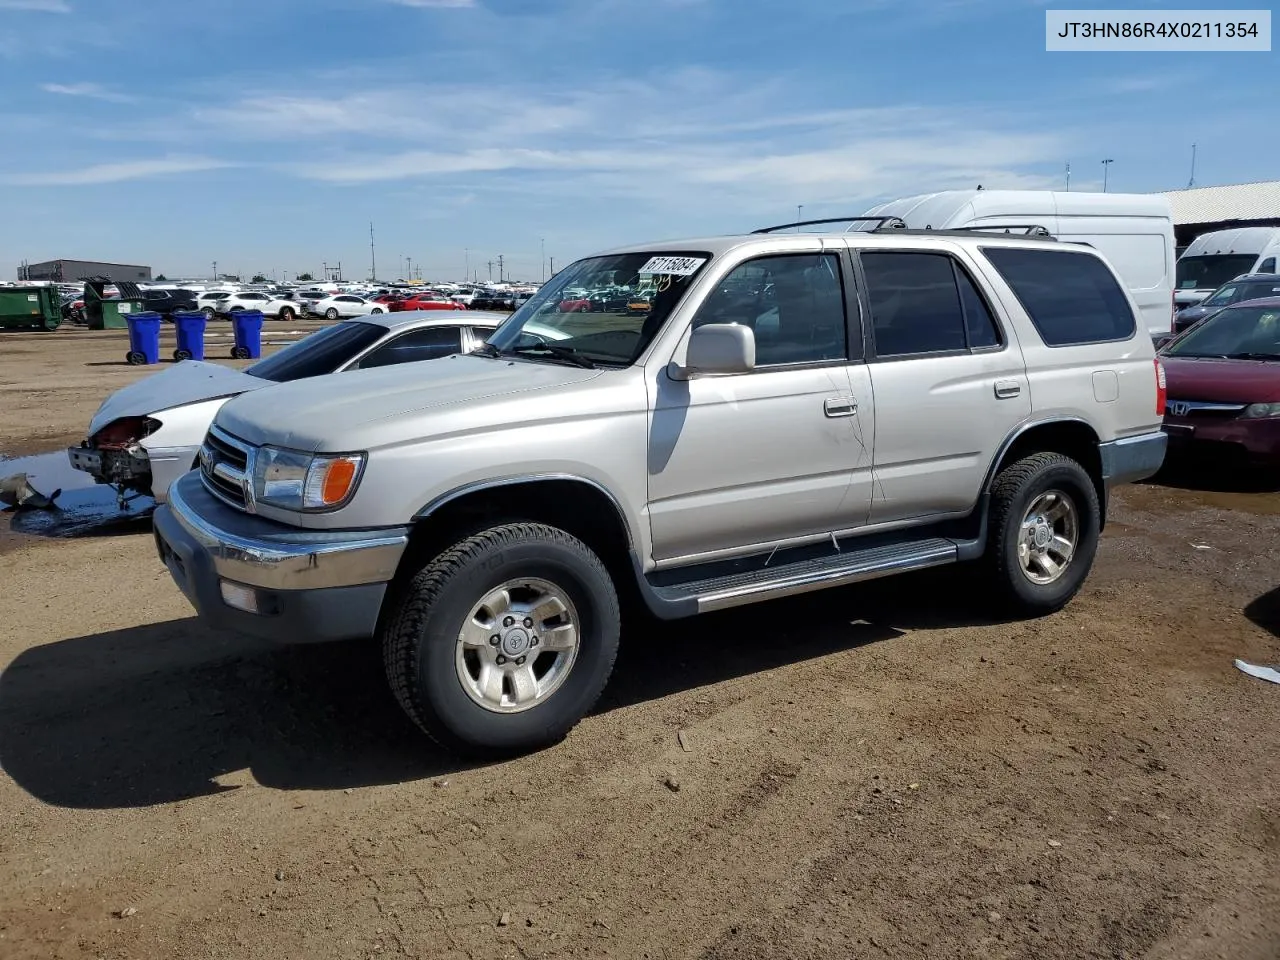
<point x="148" y="434"/>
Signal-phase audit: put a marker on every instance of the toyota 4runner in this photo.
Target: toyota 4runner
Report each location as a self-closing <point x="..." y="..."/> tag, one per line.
<point x="793" y="411"/>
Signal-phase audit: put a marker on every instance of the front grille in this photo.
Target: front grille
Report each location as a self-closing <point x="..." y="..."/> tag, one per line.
<point x="226" y="469"/>
<point x="1203" y="408"/>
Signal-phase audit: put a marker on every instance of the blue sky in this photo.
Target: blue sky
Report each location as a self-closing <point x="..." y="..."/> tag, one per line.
<point x="267" y="135"/>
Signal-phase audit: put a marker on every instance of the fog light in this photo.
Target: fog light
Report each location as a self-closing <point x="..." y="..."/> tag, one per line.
<point x="239" y="596"/>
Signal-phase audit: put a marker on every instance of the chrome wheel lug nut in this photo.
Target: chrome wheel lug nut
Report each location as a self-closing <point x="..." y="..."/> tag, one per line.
<point x="494" y="640"/>
<point x="520" y="661"/>
<point x="501" y="660"/>
<point x="508" y="621"/>
<point x="528" y="622"/>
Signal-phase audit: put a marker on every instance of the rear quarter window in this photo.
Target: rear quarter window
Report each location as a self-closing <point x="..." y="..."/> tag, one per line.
<point x="1071" y="297"/>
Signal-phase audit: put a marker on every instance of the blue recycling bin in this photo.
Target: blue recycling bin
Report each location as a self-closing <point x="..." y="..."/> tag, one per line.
<point x="246" y="325"/>
<point x="144" y="338"/>
<point x="189" y="328"/>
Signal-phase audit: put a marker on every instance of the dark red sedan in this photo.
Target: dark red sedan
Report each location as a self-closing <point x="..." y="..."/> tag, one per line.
<point x="1223" y="385"/>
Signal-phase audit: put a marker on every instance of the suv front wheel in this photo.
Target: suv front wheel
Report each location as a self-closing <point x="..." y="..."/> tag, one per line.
<point x="502" y="643"/>
<point x="1043" y="533"/>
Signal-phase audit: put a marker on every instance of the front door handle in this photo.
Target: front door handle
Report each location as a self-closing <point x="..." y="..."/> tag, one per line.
<point x="1007" y="388"/>
<point x="840" y="407"/>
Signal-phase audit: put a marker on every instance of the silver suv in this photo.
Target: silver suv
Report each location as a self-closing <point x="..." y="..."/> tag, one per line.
<point x="794" y="411"/>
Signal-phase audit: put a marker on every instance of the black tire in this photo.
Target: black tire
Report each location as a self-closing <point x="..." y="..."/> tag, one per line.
<point x="419" y="637"/>
<point x="287" y="314"/>
<point x="239" y="353"/>
<point x="331" y="313"/>
<point x="135" y="358"/>
<point x="208" y="312"/>
<point x="180" y="355"/>
<point x="1016" y="488"/>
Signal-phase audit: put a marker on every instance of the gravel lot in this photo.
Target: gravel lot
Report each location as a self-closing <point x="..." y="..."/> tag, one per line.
<point x="882" y="771"/>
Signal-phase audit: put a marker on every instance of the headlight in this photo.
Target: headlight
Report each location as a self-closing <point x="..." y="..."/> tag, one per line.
<point x="301" y="481"/>
<point x="1259" y="410"/>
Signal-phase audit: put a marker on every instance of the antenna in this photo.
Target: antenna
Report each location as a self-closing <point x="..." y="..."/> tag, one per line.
<point x="1192" y="182"/>
<point x="1068" y="176"/>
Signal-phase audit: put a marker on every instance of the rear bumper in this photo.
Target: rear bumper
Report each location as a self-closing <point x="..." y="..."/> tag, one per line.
<point x="1132" y="458"/>
<point x="305" y="586"/>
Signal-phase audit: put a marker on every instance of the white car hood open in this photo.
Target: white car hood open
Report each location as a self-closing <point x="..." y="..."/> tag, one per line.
<point x="190" y="381"/>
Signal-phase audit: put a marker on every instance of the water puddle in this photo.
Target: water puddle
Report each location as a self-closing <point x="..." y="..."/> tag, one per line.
<point x="83" y="508"/>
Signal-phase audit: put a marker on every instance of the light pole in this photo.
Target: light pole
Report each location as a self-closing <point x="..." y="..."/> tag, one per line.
<point x="542" y="258"/>
<point x="1106" y="165"/>
<point x="215" y="271"/>
<point x="799" y="207"/>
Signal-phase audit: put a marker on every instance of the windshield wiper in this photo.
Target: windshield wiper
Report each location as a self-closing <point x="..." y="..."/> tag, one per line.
<point x="567" y="354"/>
<point x="486" y="350"/>
<point x="1253" y="355"/>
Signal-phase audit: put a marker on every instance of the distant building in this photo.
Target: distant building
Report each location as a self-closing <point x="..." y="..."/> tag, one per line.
<point x="73" y="271"/>
<point x="1201" y="210"/>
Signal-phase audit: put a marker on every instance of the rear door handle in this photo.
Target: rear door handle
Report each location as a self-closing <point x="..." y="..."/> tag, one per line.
<point x="1007" y="388"/>
<point x="840" y="407"/>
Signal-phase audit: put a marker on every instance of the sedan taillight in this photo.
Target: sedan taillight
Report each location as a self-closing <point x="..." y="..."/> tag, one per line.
<point x="1161" y="388"/>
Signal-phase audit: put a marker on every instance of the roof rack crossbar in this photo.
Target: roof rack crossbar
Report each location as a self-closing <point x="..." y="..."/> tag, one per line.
<point x="881" y="223"/>
<point x="1029" y="229"/>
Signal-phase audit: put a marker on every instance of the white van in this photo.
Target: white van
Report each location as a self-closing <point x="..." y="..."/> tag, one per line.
<point x="1216" y="258"/>
<point x="1132" y="230"/>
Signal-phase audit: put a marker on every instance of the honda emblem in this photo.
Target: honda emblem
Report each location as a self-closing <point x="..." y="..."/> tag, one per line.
<point x="1179" y="408"/>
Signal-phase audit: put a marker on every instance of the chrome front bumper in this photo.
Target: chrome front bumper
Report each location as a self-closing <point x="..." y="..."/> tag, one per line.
<point x="305" y="585"/>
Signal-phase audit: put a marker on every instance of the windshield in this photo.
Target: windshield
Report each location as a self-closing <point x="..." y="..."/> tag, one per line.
<point x="1236" y="331"/>
<point x="318" y="353"/>
<point x="1211" y="272"/>
<point x="571" y="312"/>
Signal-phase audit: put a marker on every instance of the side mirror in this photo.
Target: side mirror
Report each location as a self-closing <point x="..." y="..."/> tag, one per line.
<point x="719" y="348"/>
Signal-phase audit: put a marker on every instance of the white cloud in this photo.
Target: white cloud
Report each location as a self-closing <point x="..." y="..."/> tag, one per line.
<point x="115" y="172"/>
<point x="37" y="6"/>
<point x="92" y="90"/>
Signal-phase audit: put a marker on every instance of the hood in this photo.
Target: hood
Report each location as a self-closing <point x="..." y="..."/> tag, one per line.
<point x="1227" y="381"/>
<point x="190" y="381"/>
<point x="1199" y="311"/>
<point x="365" y="409"/>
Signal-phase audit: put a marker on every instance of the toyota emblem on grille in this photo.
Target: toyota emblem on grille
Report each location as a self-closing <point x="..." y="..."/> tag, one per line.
<point x="1179" y="408"/>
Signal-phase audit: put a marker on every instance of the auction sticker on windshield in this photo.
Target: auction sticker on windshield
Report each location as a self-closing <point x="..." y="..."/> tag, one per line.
<point x="673" y="266"/>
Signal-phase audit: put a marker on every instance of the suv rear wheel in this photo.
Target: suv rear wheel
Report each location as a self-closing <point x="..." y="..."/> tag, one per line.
<point x="502" y="643"/>
<point x="1043" y="531"/>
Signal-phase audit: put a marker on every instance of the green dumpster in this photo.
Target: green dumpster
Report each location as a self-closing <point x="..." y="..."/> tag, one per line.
<point x="37" y="308"/>
<point x="108" y="313"/>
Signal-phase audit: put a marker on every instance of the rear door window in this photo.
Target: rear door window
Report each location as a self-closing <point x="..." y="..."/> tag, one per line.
<point x="1071" y="297"/>
<point x="925" y="303"/>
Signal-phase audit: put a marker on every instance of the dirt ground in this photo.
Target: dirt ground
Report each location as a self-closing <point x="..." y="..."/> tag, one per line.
<point x="877" y="772"/>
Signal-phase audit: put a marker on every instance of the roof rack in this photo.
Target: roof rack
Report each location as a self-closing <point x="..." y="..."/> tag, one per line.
<point x="1028" y="229"/>
<point x="881" y="223"/>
